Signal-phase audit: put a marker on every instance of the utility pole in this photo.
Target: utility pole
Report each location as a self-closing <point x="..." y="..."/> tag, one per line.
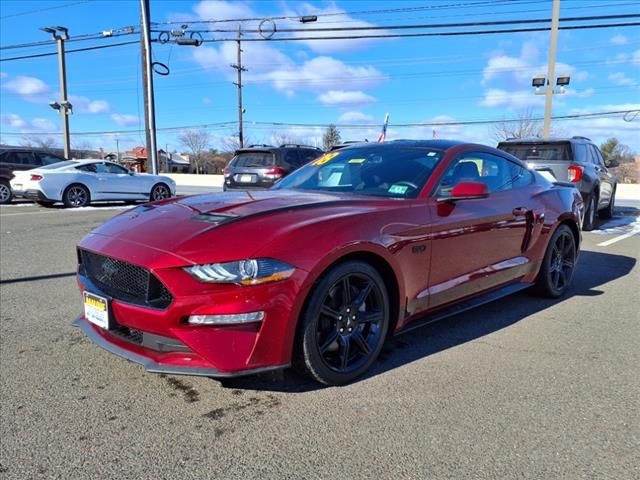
<point x="147" y="78"/>
<point x="552" y="67"/>
<point x="60" y="34"/>
<point x="118" y="150"/>
<point x="240" y="69"/>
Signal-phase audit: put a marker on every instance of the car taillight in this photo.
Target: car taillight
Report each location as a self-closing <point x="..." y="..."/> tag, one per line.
<point x="226" y="171"/>
<point x="274" y="172"/>
<point x="35" y="178"/>
<point x="575" y="173"/>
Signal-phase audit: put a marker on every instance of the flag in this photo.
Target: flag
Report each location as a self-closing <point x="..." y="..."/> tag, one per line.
<point x="383" y="133"/>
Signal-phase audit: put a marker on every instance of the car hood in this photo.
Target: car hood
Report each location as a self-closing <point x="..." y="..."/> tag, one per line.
<point x="177" y="226"/>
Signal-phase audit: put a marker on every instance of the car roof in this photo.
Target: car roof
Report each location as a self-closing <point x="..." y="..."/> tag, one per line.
<point x="546" y="140"/>
<point x="437" y="144"/>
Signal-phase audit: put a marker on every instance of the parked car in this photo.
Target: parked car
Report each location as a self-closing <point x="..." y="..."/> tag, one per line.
<point x="318" y="271"/>
<point x="349" y="143"/>
<point x="260" y="166"/>
<point x="577" y="160"/>
<point x="78" y="183"/>
<point x="12" y="159"/>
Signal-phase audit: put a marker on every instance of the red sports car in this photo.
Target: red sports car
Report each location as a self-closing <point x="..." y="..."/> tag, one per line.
<point x="362" y="243"/>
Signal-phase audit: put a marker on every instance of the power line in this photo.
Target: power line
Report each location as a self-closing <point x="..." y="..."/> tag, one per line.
<point x="85" y="49"/>
<point x="29" y="12"/>
<point x="222" y="125"/>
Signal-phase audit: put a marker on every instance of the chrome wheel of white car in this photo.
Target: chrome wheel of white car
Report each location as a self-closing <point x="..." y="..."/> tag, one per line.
<point x="160" y="192"/>
<point x="5" y="193"/>
<point x="76" y="196"/>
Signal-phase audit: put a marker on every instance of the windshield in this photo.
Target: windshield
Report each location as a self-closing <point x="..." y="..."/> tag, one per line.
<point x="388" y="171"/>
<point x="535" y="151"/>
<point x="254" y="159"/>
<point x="55" y="166"/>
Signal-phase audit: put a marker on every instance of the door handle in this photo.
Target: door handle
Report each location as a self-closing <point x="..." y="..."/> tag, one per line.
<point x="519" y="211"/>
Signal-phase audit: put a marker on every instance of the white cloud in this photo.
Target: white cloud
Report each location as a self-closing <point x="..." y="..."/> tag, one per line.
<point x="635" y="57"/>
<point x="206" y="100"/>
<point x="85" y="105"/>
<point x="12" y="120"/>
<point x="341" y="97"/>
<point x="3" y="75"/>
<point x="26" y="86"/>
<point x="221" y="10"/>
<point x="600" y="129"/>
<point x="43" y="124"/>
<point x="512" y="100"/>
<point x="355" y="117"/>
<point x="125" y="120"/>
<point x="619" y="78"/>
<point x="619" y="40"/>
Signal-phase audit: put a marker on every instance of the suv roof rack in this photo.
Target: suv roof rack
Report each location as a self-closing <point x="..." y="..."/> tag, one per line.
<point x="257" y="145"/>
<point x="284" y="145"/>
<point x="581" y="138"/>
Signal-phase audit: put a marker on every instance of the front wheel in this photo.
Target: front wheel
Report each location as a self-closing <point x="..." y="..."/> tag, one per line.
<point x="5" y="192"/>
<point x="344" y="324"/>
<point x="159" y="192"/>
<point x="558" y="264"/>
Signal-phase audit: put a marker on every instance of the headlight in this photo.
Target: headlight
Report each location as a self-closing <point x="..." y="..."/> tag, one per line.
<point x="243" y="272"/>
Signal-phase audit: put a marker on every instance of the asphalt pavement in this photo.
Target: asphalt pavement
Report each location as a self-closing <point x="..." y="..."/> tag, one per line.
<point x="520" y="388"/>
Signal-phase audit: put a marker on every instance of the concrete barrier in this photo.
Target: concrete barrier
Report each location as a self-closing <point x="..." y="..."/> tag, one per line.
<point x="192" y="180"/>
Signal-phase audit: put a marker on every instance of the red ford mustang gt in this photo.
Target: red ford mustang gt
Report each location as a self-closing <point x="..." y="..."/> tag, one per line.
<point x="362" y="243"/>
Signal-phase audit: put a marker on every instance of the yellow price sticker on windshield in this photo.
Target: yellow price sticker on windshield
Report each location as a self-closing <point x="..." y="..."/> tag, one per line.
<point x="325" y="158"/>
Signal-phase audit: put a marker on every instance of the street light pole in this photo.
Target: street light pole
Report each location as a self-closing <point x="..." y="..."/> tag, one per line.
<point x="552" y="67"/>
<point x="60" y="34"/>
<point x="240" y="69"/>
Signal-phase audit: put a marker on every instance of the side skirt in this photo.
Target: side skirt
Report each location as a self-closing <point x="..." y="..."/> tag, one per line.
<point x="464" y="306"/>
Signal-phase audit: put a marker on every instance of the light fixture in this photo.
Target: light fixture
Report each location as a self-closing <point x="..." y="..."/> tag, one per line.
<point x="563" y="80"/>
<point x="55" y="105"/>
<point x="308" y="19"/>
<point x="538" y="81"/>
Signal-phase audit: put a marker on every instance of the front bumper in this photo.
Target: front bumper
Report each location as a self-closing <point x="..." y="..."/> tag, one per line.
<point x="150" y="364"/>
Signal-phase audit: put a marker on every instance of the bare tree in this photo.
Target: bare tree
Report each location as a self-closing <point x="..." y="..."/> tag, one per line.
<point x="331" y="137"/>
<point x="231" y="143"/>
<point x="47" y="143"/>
<point x="197" y="142"/>
<point x="282" y="138"/>
<point x="525" y="126"/>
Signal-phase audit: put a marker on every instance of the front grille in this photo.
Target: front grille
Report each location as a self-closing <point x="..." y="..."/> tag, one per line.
<point x="124" y="281"/>
<point x="130" y="334"/>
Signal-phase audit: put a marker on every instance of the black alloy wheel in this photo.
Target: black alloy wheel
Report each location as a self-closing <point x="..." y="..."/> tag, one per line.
<point x="160" y="192"/>
<point x="589" y="221"/>
<point x="76" y="195"/>
<point x="345" y="323"/>
<point x="559" y="263"/>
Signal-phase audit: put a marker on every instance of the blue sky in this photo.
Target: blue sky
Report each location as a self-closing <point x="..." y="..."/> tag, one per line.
<point x="346" y="82"/>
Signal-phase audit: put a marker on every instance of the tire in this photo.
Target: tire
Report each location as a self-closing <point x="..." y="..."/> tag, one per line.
<point x="341" y="334"/>
<point x="607" y="212"/>
<point x="589" y="221"/>
<point x="6" y="195"/>
<point x="45" y="203"/>
<point x="160" y="191"/>
<point x="76" y="195"/>
<point x="558" y="264"/>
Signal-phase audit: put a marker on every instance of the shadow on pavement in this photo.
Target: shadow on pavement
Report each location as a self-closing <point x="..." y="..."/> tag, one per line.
<point x="594" y="269"/>
<point x="37" y="278"/>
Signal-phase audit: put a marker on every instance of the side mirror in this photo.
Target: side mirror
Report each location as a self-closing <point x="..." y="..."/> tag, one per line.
<point x="613" y="164"/>
<point x="467" y="190"/>
<point x="132" y="173"/>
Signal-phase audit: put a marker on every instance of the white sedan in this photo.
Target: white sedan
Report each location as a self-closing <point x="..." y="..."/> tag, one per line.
<point x="77" y="183"/>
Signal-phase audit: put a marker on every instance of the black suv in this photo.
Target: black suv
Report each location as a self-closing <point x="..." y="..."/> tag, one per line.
<point x="577" y="160"/>
<point x="260" y="166"/>
<point x="16" y="158"/>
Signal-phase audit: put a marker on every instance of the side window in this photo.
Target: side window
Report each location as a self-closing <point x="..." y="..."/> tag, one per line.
<point x="590" y="156"/>
<point x="48" y="159"/>
<point x="90" y="167"/>
<point x="21" y="158"/>
<point x="291" y="158"/>
<point x="597" y="156"/>
<point x="101" y="167"/>
<point x="307" y="155"/>
<point x="580" y="151"/>
<point x="4" y="157"/>
<point x="499" y="174"/>
<point x="113" y="168"/>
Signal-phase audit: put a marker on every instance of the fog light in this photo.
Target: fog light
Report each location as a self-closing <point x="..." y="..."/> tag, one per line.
<point x="229" y="319"/>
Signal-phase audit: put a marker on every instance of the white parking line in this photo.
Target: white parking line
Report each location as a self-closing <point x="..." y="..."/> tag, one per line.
<point x="618" y="238"/>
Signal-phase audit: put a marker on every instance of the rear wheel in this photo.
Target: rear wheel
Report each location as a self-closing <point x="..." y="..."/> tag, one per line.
<point x="5" y="192"/>
<point x="159" y="192"/>
<point x="344" y="324"/>
<point x="558" y="264"/>
<point x="608" y="211"/>
<point x="76" y="195"/>
<point x="589" y="221"/>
